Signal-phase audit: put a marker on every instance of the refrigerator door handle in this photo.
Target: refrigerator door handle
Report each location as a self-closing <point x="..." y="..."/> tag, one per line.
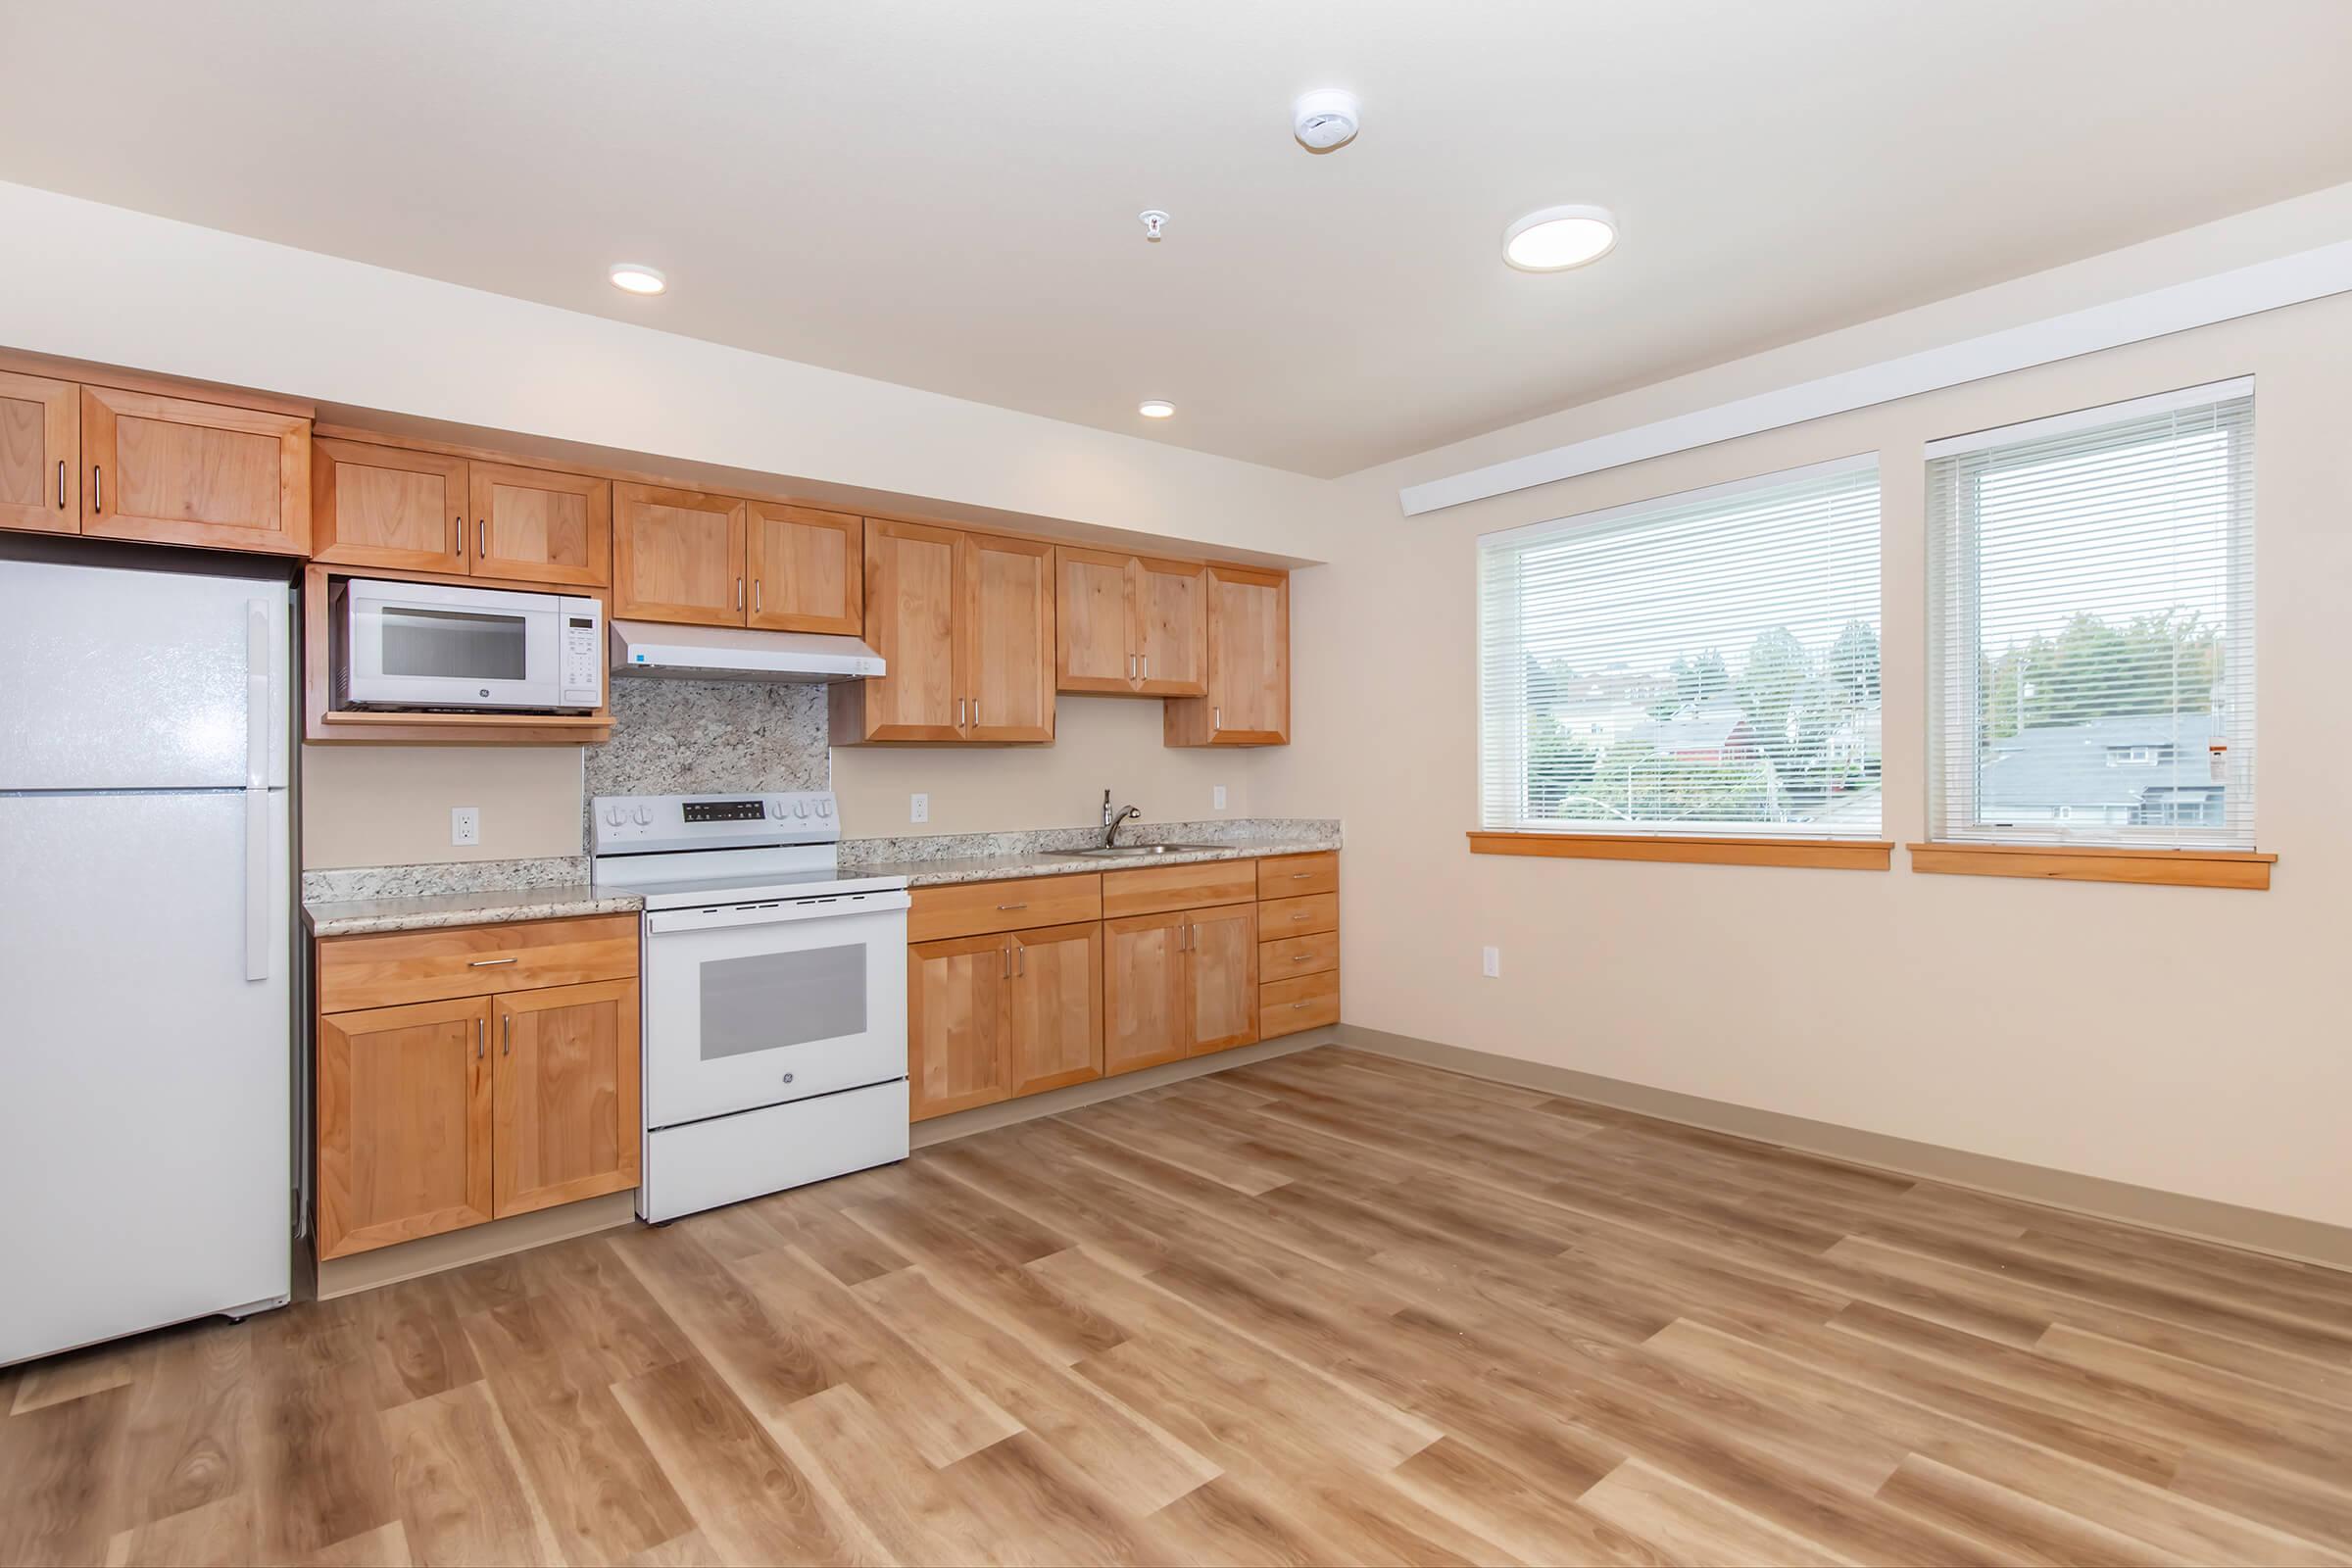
<point x="258" y="671"/>
<point x="256" y="884"/>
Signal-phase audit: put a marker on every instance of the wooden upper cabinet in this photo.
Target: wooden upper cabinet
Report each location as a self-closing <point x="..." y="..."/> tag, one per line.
<point x="172" y="470"/>
<point x="914" y="616"/>
<point x="565" y="1062"/>
<point x="1248" y="698"/>
<point x="1057" y="1001"/>
<point x="1094" y="621"/>
<point x="1007" y="653"/>
<point x="1130" y="626"/>
<point x="807" y="569"/>
<point x="677" y="556"/>
<point x="404" y="1123"/>
<point x="1221" y="960"/>
<point x="535" y="525"/>
<point x="959" y="1024"/>
<point x="40" y="454"/>
<point x="1145" y="1008"/>
<point x="375" y="506"/>
<point x="1171" y="628"/>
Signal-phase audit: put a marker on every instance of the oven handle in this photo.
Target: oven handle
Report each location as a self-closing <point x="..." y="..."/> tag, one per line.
<point x="831" y="907"/>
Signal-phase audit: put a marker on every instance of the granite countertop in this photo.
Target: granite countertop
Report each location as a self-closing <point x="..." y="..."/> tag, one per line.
<point x="421" y="912"/>
<point x="941" y="870"/>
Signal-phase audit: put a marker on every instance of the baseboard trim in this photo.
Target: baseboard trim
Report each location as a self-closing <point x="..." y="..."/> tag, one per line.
<point x="1053" y="1101"/>
<point x="432" y="1254"/>
<point x="2204" y="1219"/>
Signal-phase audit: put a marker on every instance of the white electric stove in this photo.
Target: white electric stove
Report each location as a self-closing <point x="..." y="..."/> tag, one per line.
<point x="775" y="994"/>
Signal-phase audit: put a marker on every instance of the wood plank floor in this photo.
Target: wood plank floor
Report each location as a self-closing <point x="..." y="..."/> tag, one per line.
<point x="1332" y="1307"/>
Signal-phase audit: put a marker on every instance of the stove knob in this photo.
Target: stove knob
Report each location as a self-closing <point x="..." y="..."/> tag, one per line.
<point x="642" y="816"/>
<point x="612" y="815"/>
<point x="800" y="809"/>
<point x="824" y="809"/>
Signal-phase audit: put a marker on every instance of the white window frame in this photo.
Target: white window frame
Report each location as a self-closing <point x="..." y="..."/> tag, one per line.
<point x="1511" y="748"/>
<point x="1956" y="625"/>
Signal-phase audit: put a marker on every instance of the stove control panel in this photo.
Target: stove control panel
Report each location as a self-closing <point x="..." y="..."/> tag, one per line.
<point x="638" y="824"/>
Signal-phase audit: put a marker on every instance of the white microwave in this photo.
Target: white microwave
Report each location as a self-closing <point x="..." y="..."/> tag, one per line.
<point x="420" y="645"/>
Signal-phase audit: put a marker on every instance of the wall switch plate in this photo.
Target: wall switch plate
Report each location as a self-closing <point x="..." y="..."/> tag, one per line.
<point x="918" y="808"/>
<point x="1490" y="963"/>
<point x="465" y="824"/>
<point x="1216" y="796"/>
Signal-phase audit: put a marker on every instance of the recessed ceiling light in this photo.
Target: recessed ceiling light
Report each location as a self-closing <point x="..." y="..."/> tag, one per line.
<point x="636" y="278"/>
<point x="1155" y="408"/>
<point x="1557" y="238"/>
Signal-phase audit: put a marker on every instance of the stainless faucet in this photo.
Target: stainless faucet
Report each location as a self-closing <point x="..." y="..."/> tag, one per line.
<point x="1111" y="820"/>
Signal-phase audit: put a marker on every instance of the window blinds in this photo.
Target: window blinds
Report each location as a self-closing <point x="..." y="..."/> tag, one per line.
<point x="1703" y="664"/>
<point x="2092" y="629"/>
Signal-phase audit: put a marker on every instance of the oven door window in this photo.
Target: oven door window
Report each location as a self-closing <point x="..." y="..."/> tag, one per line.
<point x="454" y="644"/>
<point x="771" y="1001"/>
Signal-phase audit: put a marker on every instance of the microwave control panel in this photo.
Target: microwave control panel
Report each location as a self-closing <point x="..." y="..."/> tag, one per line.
<point x="580" y="645"/>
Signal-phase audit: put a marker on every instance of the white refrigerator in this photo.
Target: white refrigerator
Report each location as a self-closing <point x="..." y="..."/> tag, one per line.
<point x="146" y="973"/>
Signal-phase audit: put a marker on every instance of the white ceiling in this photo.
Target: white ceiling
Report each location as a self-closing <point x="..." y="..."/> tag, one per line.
<point x="942" y="192"/>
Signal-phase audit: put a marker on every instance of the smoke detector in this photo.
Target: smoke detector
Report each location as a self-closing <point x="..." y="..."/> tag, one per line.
<point x="1325" y="119"/>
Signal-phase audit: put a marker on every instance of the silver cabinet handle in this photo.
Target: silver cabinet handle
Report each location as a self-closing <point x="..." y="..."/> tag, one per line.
<point x="1184" y="939"/>
<point x="481" y="538"/>
<point x="975" y="713"/>
<point x="506" y="1029"/>
<point x="97" y="493"/>
<point x="485" y="963"/>
<point x="959" y="713"/>
<point x="739" y="596"/>
<point x="1216" y="718"/>
<point x="1147" y="666"/>
<point x="1020" y="960"/>
<point x="1298" y="1004"/>
<point x="1006" y="956"/>
<point x="759" y="596"/>
<point x="1012" y="906"/>
<point x="457" y="536"/>
<point x="1301" y="915"/>
<point x="478" y="1039"/>
<point x="1300" y="876"/>
<point x="1305" y="958"/>
<point x="61" y="484"/>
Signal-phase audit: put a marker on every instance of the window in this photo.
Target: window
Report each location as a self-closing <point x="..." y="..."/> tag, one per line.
<point x="1706" y="664"/>
<point x="2090" y="626"/>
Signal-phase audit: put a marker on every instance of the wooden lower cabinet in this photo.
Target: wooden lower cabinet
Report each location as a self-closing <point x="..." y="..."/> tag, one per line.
<point x="1220" y="959"/>
<point x="991" y="1017"/>
<point x="566" y="1093"/>
<point x="404" y="1123"/>
<point x="438" y="1113"/>
<point x="1143" y="991"/>
<point x="1056" y="1034"/>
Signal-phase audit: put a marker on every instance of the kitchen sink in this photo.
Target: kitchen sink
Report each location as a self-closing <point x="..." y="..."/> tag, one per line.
<point x="1099" y="854"/>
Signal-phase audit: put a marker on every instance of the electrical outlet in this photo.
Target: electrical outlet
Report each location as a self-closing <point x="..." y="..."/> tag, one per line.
<point x="465" y="824"/>
<point x="1216" y="796"/>
<point x="918" y="808"/>
<point x="1490" y="963"/>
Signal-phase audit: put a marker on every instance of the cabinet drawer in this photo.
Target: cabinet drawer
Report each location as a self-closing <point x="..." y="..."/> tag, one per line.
<point x="976" y="909"/>
<point x="1285" y="1006"/>
<point x="1290" y="876"/>
<point x="1299" y="917"/>
<point x="1158" y="889"/>
<point x="399" y="968"/>
<point x="1292" y="956"/>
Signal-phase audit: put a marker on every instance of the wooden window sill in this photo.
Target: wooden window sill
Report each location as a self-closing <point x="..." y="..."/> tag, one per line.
<point x="2089" y="862"/>
<point x="1828" y="854"/>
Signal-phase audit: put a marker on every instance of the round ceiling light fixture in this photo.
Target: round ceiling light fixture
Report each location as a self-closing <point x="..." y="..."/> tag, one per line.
<point x="635" y="277"/>
<point x="1554" y="239"/>
<point x="1156" y="408"/>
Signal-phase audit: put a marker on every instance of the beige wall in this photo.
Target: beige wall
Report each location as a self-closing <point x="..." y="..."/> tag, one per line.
<point x="2182" y="1039"/>
<point x="390" y="805"/>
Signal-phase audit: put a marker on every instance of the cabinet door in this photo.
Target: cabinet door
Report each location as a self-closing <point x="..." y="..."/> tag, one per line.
<point x="1094" y="612"/>
<point x="1171" y="628"/>
<point x="958" y="1023"/>
<point x="1057" y="1035"/>
<point x="1008" y="643"/>
<point x="375" y="506"/>
<point x="531" y="526"/>
<point x="807" y="569"/>
<point x="404" y="1123"/>
<point x="179" y="473"/>
<point x="568" y="1087"/>
<point x="1220" y="959"/>
<point x="1143" y="1014"/>
<point x="677" y="556"/>
<point x="40" y="454"/>
<point x="1248" y="698"/>
<point x="913" y="618"/>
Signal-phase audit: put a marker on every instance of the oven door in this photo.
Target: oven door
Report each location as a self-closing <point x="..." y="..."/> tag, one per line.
<point x="751" y="1005"/>
<point x="464" y="648"/>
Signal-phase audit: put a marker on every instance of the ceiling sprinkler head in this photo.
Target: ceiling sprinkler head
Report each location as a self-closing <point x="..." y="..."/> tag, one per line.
<point x="1155" y="223"/>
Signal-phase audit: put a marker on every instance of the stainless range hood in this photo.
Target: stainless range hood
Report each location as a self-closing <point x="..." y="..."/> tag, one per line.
<point x="733" y="653"/>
